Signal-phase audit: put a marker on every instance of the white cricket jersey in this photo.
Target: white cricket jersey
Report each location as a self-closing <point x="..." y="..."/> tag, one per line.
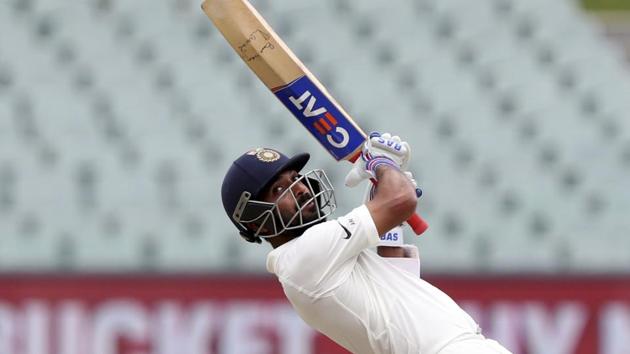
<point x="358" y="299"/>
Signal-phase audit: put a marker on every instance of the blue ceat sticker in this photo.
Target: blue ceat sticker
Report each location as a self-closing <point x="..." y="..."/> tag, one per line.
<point x="320" y="116"/>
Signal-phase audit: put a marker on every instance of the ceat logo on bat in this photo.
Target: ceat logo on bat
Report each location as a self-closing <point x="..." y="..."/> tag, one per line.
<point x="325" y="124"/>
<point x="320" y="116"/>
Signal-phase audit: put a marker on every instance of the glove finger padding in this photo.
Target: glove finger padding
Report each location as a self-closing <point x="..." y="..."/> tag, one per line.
<point x="369" y="192"/>
<point x="384" y="135"/>
<point x="391" y="149"/>
<point x="405" y="165"/>
<point x="357" y="174"/>
<point x="388" y="146"/>
<point x="415" y="184"/>
<point x="370" y="189"/>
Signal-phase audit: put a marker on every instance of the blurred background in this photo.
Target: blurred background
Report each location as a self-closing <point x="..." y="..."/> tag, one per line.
<point x="119" y="119"/>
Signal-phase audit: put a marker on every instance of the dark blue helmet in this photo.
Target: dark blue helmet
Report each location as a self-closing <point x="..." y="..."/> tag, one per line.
<point x="251" y="174"/>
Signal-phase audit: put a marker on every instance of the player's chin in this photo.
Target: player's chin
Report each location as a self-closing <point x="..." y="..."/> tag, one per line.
<point x="309" y="213"/>
<point x="310" y="209"/>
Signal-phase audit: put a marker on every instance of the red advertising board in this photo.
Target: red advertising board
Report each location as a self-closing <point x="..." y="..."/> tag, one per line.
<point x="142" y="314"/>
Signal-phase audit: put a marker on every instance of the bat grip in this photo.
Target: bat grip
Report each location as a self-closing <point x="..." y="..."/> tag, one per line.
<point x="416" y="222"/>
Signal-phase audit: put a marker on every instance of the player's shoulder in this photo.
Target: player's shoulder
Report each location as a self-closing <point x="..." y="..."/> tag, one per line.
<point x="320" y="238"/>
<point x="307" y="243"/>
<point x="358" y="220"/>
<point x="322" y="228"/>
<point x="345" y="225"/>
<point x="319" y="241"/>
<point x="312" y="241"/>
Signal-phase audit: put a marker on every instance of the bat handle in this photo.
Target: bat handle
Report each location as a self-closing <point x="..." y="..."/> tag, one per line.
<point x="415" y="221"/>
<point x="417" y="224"/>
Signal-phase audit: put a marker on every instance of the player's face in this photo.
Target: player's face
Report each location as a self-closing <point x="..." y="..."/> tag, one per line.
<point x="286" y="203"/>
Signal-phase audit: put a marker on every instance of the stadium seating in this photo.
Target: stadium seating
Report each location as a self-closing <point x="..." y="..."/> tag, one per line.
<point x="119" y="118"/>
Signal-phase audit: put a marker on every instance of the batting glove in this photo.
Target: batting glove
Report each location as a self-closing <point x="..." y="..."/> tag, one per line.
<point x="377" y="150"/>
<point x="371" y="189"/>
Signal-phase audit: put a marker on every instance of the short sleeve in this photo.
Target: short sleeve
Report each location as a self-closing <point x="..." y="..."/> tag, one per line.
<point x="357" y="230"/>
<point x="345" y="237"/>
<point x="328" y="250"/>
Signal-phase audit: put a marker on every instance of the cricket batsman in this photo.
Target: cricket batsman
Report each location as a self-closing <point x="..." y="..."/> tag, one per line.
<point x="367" y="302"/>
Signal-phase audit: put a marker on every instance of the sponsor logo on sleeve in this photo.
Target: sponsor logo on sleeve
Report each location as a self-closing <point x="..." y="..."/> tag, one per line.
<point x="348" y="233"/>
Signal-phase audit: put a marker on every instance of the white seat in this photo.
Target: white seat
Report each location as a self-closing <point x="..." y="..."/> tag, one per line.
<point x="125" y="245"/>
<point x="488" y="184"/>
<point x="188" y="241"/>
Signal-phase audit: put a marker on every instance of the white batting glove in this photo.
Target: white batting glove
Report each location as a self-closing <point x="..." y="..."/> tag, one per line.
<point x="415" y="184"/>
<point x="378" y="149"/>
<point x="389" y="146"/>
<point x="371" y="189"/>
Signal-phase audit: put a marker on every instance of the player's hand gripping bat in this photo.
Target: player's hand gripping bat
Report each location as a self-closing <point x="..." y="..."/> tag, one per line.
<point x="285" y="75"/>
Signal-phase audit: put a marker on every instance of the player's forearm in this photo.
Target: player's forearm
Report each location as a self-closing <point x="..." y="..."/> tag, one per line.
<point x="396" y="189"/>
<point x="394" y="200"/>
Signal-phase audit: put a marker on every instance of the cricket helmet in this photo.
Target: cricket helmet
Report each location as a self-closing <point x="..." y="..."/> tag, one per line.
<point x="252" y="173"/>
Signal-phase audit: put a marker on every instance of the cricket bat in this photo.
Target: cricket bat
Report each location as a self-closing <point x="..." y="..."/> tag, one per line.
<point x="285" y="75"/>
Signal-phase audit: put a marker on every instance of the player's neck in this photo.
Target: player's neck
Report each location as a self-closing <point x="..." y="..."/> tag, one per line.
<point x="281" y="240"/>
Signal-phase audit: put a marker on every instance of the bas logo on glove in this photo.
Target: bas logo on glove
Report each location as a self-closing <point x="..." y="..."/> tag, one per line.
<point x="379" y="149"/>
<point x="390" y="143"/>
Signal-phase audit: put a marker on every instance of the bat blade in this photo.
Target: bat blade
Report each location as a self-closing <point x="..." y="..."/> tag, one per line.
<point x="292" y="83"/>
<point x="285" y="75"/>
<point x="322" y="118"/>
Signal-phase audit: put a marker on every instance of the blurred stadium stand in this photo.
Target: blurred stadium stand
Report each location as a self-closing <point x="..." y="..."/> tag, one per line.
<point x="118" y="120"/>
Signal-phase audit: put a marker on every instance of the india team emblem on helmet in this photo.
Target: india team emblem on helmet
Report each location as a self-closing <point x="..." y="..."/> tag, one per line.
<point x="265" y="155"/>
<point x="254" y="171"/>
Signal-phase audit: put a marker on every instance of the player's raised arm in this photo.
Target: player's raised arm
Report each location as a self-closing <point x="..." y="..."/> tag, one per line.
<point x="395" y="200"/>
<point x="292" y="83"/>
<point x="395" y="196"/>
